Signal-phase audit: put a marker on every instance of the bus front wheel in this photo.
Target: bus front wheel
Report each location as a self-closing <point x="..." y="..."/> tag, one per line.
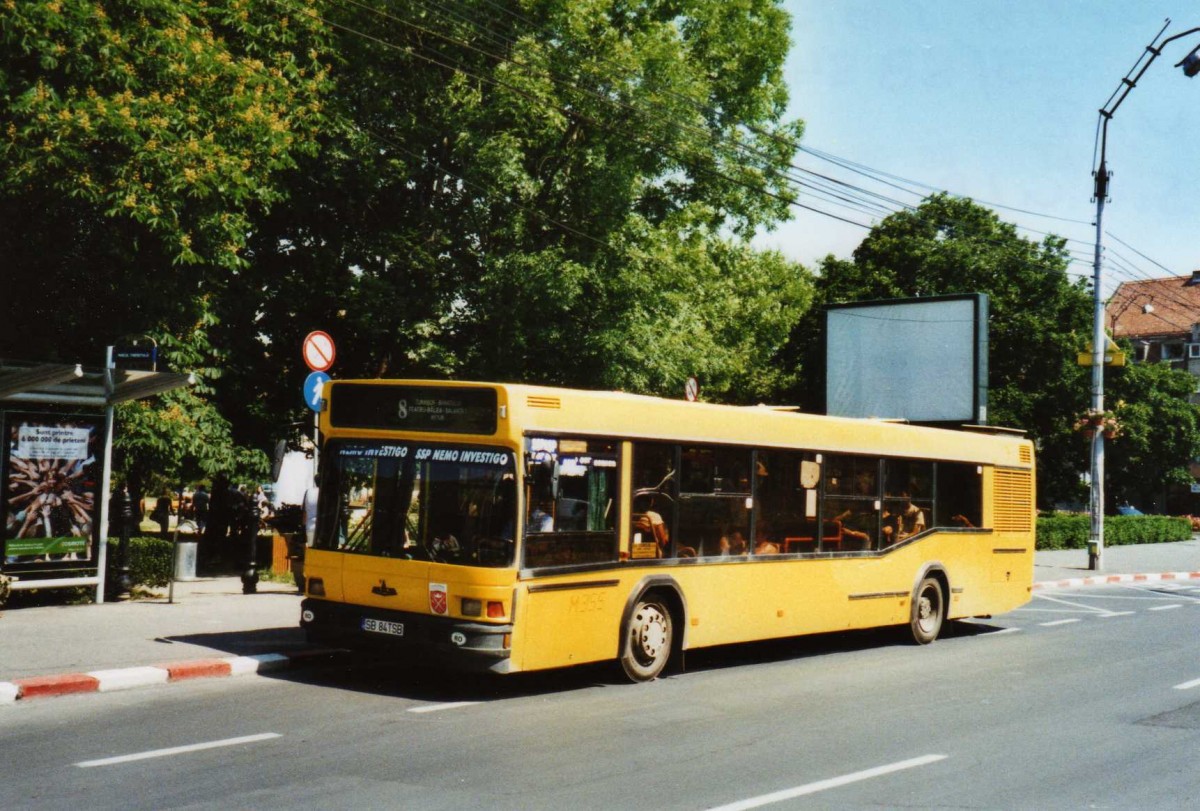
<point x="647" y="643"/>
<point x="928" y="611"/>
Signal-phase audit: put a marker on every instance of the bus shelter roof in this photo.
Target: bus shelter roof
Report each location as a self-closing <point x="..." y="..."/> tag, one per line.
<point x="71" y="384"/>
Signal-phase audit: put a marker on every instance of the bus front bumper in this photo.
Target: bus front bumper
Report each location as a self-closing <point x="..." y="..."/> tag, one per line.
<point x="413" y="637"/>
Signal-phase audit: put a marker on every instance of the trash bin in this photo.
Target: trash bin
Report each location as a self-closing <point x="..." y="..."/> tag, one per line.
<point x="185" y="560"/>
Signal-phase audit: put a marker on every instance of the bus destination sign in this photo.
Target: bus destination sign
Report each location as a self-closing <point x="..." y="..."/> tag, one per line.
<point x="413" y="408"/>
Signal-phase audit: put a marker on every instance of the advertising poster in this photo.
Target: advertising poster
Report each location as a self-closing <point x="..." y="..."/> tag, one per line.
<point x="51" y="482"/>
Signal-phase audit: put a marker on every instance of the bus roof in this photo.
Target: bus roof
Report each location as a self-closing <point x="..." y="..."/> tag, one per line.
<point x="525" y="408"/>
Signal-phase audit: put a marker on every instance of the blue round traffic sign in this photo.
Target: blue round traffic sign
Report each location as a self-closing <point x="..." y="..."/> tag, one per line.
<point x="314" y="385"/>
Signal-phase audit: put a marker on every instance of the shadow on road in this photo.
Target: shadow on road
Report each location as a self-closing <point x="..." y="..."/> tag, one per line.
<point x="387" y="676"/>
<point x="390" y="676"/>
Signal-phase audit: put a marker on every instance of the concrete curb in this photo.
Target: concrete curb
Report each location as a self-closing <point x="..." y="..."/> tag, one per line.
<point x="1106" y="579"/>
<point x="102" y="681"/>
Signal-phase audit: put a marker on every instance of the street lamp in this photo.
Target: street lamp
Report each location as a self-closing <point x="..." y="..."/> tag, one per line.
<point x="1191" y="66"/>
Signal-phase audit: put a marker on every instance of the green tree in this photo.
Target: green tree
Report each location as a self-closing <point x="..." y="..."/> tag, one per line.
<point x="1038" y="318"/>
<point x="544" y="191"/>
<point x="140" y="139"/>
<point x="181" y="437"/>
<point x="1159" y="435"/>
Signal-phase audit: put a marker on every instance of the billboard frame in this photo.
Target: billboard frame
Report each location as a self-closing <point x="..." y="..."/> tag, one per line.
<point x="979" y="355"/>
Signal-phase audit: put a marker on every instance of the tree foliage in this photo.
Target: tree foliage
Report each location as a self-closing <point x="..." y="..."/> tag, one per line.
<point x="1039" y="320"/>
<point x="141" y="139"/>
<point x="181" y="437"/>
<point x="549" y="191"/>
<point x="1159" y="436"/>
<point x="1038" y="317"/>
<point x="539" y="191"/>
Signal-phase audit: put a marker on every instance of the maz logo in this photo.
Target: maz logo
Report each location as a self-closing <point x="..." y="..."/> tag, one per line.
<point x="383" y="590"/>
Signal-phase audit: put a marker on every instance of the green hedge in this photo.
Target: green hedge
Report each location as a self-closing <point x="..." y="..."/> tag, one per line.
<point x="1063" y="531"/>
<point x="150" y="561"/>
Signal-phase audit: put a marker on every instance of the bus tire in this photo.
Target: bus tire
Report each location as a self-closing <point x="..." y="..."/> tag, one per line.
<point x="648" y="642"/>
<point x="928" y="611"/>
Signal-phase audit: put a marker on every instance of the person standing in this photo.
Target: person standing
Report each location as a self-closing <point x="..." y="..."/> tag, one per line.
<point x="220" y="514"/>
<point x="162" y="516"/>
<point x="200" y="505"/>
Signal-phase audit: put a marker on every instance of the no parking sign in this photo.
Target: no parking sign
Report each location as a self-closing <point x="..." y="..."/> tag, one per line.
<point x="319" y="350"/>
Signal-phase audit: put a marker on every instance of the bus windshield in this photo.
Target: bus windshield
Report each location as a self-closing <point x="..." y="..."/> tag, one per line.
<point x="418" y="501"/>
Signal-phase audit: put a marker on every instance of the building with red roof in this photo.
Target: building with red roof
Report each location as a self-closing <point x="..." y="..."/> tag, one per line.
<point x="1161" y="317"/>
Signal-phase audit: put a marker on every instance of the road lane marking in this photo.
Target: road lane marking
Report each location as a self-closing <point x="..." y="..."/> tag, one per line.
<point x="1188" y="685"/>
<point x="177" y="750"/>
<point x="449" y="705"/>
<point x="1059" y="622"/>
<point x="1004" y="631"/>
<point x="1164" y="607"/>
<point x="825" y="785"/>
<point x="1117" y="614"/>
<point x="1081" y="606"/>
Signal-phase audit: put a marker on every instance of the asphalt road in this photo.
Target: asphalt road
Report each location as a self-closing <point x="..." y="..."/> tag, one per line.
<point x="1086" y="698"/>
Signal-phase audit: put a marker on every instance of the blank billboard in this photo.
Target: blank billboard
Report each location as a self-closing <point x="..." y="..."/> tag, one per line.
<point x="924" y="360"/>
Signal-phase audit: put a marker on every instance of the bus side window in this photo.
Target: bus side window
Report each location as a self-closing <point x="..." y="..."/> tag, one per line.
<point x="852" y="504"/>
<point x="714" y="500"/>
<point x="959" y="495"/>
<point x="908" y="498"/>
<point x="652" y="505"/>
<point x="571" y="504"/>
<point x="785" y="497"/>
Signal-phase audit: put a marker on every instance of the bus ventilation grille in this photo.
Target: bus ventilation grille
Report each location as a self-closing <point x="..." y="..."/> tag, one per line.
<point x="1014" y="501"/>
<point x="1025" y="455"/>
<point x="535" y="401"/>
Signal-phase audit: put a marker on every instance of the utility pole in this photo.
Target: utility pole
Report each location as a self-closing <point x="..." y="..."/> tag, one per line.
<point x="1191" y="66"/>
<point x="1096" y="533"/>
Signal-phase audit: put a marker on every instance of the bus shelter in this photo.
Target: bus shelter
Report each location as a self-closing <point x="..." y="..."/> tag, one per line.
<point x="56" y="466"/>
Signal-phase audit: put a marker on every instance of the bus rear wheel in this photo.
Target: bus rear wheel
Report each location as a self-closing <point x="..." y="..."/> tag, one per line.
<point x="647" y="644"/>
<point x="928" y="611"/>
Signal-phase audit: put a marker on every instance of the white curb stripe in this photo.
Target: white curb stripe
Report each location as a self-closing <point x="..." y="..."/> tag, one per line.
<point x="128" y="678"/>
<point x="1104" y="580"/>
<point x="263" y="662"/>
<point x="8" y="692"/>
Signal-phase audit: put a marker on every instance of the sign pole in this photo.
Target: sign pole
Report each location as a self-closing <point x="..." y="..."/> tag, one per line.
<point x="319" y="351"/>
<point x="105" y="475"/>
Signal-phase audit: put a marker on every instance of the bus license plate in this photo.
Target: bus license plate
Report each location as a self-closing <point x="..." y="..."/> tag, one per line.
<point x="383" y="627"/>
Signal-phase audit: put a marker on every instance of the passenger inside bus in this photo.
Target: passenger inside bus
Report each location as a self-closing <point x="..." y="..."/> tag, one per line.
<point x="912" y="518"/>
<point x="649" y="523"/>
<point x="732" y="544"/>
<point x="541" y="517"/>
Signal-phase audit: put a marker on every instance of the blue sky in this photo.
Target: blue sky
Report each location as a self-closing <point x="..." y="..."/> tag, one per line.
<point x="997" y="100"/>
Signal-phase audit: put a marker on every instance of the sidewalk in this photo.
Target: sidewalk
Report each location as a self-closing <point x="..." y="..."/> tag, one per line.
<point x="212" y="629"/>
<point x="1069" y="567"/>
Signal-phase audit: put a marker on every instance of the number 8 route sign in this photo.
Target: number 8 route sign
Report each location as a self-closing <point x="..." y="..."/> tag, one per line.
<point x="319" y="351"/>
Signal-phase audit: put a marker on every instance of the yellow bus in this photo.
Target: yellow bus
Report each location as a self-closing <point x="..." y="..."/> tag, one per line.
<point x="515" y="528"/>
